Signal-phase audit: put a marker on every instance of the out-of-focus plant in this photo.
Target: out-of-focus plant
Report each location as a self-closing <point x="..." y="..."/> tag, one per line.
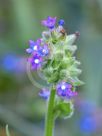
<point x="7" y="131"/>
<point x="53" y="56"/>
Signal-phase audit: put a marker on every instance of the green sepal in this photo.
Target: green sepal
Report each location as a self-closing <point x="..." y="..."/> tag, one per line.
<point x="64" y="109"/>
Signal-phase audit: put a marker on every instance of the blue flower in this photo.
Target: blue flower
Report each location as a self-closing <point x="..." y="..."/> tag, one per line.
<point x="43" y="50"/>
<point x="36" y="61"/>
<point x="49" y="22"/>
<point x="33" y="46"/>
<point x="44" y="93"/>
<point x="61" y="22"/>
<point x="64" y="90"/>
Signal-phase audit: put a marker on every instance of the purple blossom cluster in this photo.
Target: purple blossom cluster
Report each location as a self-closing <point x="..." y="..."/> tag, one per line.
<point x="38" y="48"/>
<point x="38" y="51"/>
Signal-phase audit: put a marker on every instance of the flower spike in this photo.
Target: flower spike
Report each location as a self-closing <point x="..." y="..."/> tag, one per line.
<point x="53" y="54"/>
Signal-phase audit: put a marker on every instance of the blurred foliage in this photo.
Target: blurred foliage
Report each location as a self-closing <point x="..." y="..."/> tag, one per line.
<point x="19" y="22"/>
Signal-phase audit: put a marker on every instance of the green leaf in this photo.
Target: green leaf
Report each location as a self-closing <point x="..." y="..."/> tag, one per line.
<point x="7" y="131"/>
<point x="64" y="109"/>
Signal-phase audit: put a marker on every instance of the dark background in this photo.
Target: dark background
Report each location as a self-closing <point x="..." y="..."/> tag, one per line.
<point x="20" y="106"/>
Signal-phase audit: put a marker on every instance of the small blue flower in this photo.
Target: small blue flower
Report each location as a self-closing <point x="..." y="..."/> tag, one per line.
<point x="49" y="22"/>
<point x="33" y="46"/>
<point x="43" y="51"/>
<point x="36" y="61"/>
<point x="44" y="93"/>
<point x="64" y="90"/>
<point x="61" y="22"/>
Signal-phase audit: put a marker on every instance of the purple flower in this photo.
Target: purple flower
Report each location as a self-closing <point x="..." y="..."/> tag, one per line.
<point x="36" y="61"/>
<point x="44" y="93"/>
<point x="44" y="50"/>
<point x="33" y="46"/>
<point x="49" y="22"/>
<point x="64" y="90"/>
<point x="61" y="22"/>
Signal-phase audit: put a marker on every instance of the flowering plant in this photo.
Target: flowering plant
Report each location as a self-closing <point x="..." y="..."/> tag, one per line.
<point x="53" y="56"/>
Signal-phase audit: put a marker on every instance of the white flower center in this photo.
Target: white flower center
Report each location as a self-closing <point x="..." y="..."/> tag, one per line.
<point x="44" y="51"/>
<point x="36" y="61"/>
<point x="35" y="47"/>
<point x="63" y="87"/>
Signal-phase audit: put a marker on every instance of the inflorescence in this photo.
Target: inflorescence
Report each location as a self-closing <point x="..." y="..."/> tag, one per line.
<point x="53" y="55"/>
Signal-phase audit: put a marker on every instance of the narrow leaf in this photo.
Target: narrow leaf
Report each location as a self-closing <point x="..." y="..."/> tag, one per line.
<point x="7" y="131"/>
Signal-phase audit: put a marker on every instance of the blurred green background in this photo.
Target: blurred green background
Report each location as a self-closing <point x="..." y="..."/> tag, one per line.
<point x="20" y="106"/>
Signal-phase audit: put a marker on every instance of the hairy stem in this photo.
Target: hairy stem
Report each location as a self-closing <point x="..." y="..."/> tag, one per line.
<point x="49" y="124"/>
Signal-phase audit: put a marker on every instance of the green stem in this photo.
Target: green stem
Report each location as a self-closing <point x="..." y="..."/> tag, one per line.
<point x="49" y="124"/>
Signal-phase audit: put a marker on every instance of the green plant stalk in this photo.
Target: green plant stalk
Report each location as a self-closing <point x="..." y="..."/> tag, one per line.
<point x="49" y="124"/>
